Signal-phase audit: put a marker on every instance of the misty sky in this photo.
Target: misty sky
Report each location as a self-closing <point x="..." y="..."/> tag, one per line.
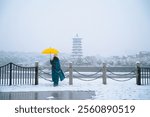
<point x="108" y="27"/>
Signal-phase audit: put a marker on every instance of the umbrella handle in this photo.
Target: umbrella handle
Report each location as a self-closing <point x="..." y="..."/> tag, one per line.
<point x="50" y="57"/>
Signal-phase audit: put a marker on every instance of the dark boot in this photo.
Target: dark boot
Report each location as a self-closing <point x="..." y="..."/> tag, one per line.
<point x="55" y="84"/>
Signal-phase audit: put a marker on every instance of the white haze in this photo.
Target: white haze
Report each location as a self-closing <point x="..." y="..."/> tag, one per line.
<point x="108" y="27"/>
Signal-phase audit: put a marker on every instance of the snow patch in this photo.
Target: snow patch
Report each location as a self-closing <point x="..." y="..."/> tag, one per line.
<point x="113" y="90"/>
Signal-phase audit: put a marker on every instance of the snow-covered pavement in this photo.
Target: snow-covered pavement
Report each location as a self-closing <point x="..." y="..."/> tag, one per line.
<point x="113" y="90"/>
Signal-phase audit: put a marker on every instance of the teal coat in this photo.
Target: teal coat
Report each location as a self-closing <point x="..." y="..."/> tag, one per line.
<point x="56" y="71"/>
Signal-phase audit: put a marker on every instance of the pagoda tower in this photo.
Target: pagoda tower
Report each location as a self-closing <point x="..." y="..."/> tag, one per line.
<point x="77" y="47"/>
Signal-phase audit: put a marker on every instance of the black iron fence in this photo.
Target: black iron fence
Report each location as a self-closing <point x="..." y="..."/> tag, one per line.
<point x="144" y="75"/>
<point x="12" y="74"/>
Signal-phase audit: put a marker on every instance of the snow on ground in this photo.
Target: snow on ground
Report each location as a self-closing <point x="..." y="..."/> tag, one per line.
<point x="113" y="90"/>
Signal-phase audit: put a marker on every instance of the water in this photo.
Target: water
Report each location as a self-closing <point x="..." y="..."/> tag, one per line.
<point x="47" y="95"/>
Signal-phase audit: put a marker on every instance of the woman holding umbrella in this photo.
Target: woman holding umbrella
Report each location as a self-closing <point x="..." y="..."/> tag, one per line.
<point x="56" y="70"/>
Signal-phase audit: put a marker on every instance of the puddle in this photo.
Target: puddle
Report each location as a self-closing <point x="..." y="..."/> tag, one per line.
<point x="47" y="95"/>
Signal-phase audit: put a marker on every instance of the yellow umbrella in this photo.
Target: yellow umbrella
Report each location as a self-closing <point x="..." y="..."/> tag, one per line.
<point x="50" y="51"/>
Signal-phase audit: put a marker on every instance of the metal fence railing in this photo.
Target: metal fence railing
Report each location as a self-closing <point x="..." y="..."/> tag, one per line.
<point x="12" y="74"/>
<point x="145" y="75"/>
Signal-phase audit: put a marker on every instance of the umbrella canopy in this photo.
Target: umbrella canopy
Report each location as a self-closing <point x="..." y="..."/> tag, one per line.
<point x="50" y="51"/>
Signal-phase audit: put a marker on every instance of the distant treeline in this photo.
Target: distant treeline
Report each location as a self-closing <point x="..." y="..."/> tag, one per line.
<point x="29" y="59"/>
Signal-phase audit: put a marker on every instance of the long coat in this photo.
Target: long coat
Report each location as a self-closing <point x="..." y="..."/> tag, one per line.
<point x="56" y="71"/>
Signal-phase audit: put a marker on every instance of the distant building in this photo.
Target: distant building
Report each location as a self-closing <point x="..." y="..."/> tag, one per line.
<point x="77" y="47"/>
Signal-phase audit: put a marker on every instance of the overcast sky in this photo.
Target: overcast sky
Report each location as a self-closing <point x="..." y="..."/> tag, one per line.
<point x="108" y="27"/>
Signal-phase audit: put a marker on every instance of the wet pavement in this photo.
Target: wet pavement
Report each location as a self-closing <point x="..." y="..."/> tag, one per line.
<point x="47" y="95"/>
